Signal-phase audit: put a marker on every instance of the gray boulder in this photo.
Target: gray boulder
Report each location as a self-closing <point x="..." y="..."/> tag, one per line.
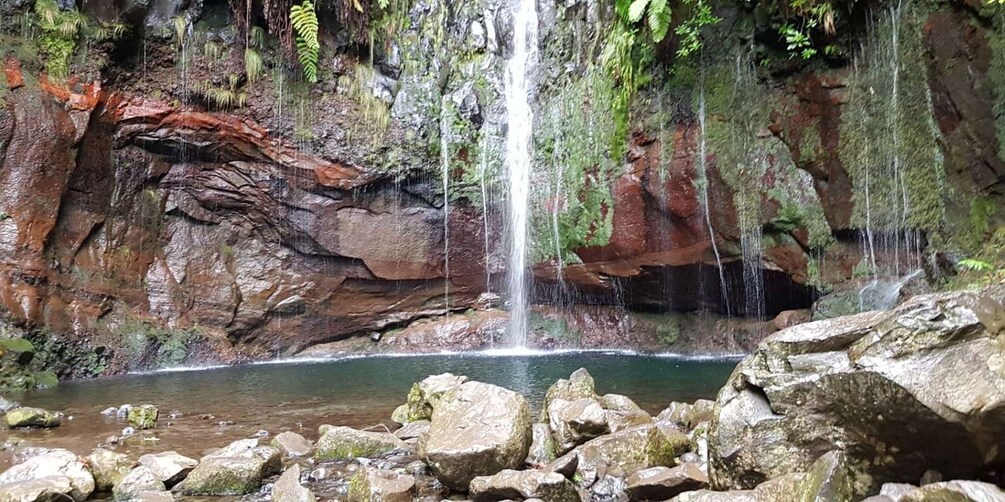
<point x="108" y="468"/>
<point x="622" y="412"/>
<point x="345" y="443"/>
<point x="32" y="417"/>
<point x="625" y="452"/>
<point x="579" y="385"/>
<point x="424" y="395"/>
<point x="292" y="444"/>
<point x="542" y="446"/>
<point x="955" y="491"/>
<point x="48" y="489"/>
<point x="879" y="386"/>
<point x="139" y="480"/>
<point x="170" y="467"/>
<point x="576" y="422"/>
<point x="510" y="484"/>
<point x="288" y="488"/>
<point x="662" y="483"/>
<point x="52" y="464"/>
<point x="379" y="485"/>
<point x="236" y="469"/>
<point x="412" y="430"/>
<point x="477" y="430"/>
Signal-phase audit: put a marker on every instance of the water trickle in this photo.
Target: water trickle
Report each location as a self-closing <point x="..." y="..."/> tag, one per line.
<point x="703" y="185"/>
<point x="445" y="174"/>
<point x="519" y="139"/>
<point x="483" y="174"/>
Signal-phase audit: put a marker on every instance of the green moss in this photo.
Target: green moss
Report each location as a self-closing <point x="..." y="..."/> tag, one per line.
<point x="149" y="345"/>
<point x="996" y="73"/>
<point x="16" y="345"/>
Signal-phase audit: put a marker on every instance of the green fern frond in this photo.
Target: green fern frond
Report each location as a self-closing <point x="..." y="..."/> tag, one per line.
<point x="975" y="265"/>
<point x="256" y="37"/>
<point x="305" y="22"/>
<point x="254" y="67"/>
<point x="180" y="24"/>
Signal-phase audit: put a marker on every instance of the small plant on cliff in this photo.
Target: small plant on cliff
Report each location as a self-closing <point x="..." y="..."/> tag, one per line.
<point x="975" y="265"/>
<point x="59" y="30"/>
<point x="305" y="22"/>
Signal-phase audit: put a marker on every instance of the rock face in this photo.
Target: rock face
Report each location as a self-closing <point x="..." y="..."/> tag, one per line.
<point x="477" y="429"/>
<point x="877" y="386"/>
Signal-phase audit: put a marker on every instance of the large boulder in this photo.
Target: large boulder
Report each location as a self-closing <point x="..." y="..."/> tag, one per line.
<point x="170" y="467"/>
<point x="477" y="430"/>
<point x="288" y="488"/>
<point x="345" y="443"/>
<point x="292" y="444"/>
<point x="139" y="480"/>
<point x="576" y="422"/>
<point x="424" y="395"/>
<point x="623" y="453"/>
<point x="956" y="491"/>
<point x="108" y="468"/>
<point x="236" y="469"/>
<point x="52" y="464"/>
<point x="515" y="485"/>
<point x="920" y="387"/>
<point x="32" y="417"/>
<point x="48" y="489"/>
<point x="662" y="483"/>
<point x="379" y="485"/>
<point x="579" y="385"/>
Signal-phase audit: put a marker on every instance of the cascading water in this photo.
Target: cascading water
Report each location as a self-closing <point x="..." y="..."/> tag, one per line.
<point x="703" y="185"/>
<point x="445" y="174"/>
<point x="519" y="139"/>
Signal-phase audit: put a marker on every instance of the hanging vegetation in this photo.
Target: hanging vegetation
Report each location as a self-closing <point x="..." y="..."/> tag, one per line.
<point x="305" y="21"/>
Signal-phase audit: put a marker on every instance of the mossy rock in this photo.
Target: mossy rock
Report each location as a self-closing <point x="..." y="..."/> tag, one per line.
<point x="345" y="443"/>
<point x="224" y="476"/>
<point x="144" y="417"/>
<point x="16" y="345"/>
<point x="32" y="417"/>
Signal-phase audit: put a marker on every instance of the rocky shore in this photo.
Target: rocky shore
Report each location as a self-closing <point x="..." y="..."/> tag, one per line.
<point x="904" y="405"/>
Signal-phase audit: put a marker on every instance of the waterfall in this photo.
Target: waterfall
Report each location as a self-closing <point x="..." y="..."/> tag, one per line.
<point x="483" y="173"/>
<point x="519" y="138"/>
<point x="445" y="174"/>
<point x="703" y="184"/>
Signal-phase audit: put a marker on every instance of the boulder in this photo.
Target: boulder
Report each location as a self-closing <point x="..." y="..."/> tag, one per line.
<point x="288" y="488"/>
<point x="622" y="412"/>
<point x="47" y="489"/>
<point x="139" y="480"/>
<point x="143" y="417"/>
<point x="53" y="464"/>
<point x="32" y="417"/>
<point x="292" y="444"/>
<point x="575" y="422"/>
<point x="628" y="451"/>
<point x="878" y="386"/>
<point x="477" y="430"/>
<point x="236" y="469"/>
<point x="662" y="483"/>
<point x="424" y="395"/>
<point x="154" y="496"/>
<point x="579" y="385"/>
<point x="510" y="484"/>
<point x="542" y="446"/>
<point x="961" y="491"/>
<point x="169" y="466"/>
<point x="379" y="485"/>
<point x="781" y="489"/>
<point x="345" y="443"/>
<point x="108" y="468"/>
<point x="412" y="430"/>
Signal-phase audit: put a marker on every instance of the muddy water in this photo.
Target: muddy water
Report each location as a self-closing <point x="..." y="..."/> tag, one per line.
<point x="209" y="408"/>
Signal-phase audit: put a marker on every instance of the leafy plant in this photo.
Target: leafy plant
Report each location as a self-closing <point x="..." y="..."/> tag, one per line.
<point x="975" y="265"/>
<point x="305" y="23"/>
<point x="690" y="30"/>
<point x="224" y="98"/>
<point x="797" y="42"/>
<point x="254" y="67"/>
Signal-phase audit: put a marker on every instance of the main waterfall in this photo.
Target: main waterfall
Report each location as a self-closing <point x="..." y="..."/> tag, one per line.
<point x="519" y="142"/>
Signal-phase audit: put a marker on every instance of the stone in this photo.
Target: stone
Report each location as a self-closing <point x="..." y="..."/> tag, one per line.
<point x="412" y="430"/>
<point x="579" y="385"/>
<point x="235" y="469"/>
<point x="141" y="479"/>
<point x="32" y="417"/>
<point x="292" y="444"/>
<point x="542" y="446"/>
<point x="876" y="385"/>
<point x="288" y="488"/>
<point x="575" y="422"/>
<point x="143" y="417"/>
<point x="477" y="429"/>
<point x="108" y="468"/>
<point x="53" y="463"/>
<point x="565" y="465"/>
<point x="961" y="491"/>
<point x="379" y="485"/>
<point x="400" y="414"/>
<point x="424" y="395"/>
<point x="662" y="483"/>
<point x="511" y="484"/>
<point x="781" y="489"/>
<point x="622" y="412"/>
<point x="608" y="488"/>
<point x="628" y="451"/>
<point x="7" y="405"/>
<point x="345" y="443"/>
<point x="170" y="467"/>
<point x="154" y="496"/>
<point x="47" y="489"/>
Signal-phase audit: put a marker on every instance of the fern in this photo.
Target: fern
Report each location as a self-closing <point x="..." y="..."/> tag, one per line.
<point x="305" y="23"/>
<point x="975" y="265"/>
<point x="253" y="65"/>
